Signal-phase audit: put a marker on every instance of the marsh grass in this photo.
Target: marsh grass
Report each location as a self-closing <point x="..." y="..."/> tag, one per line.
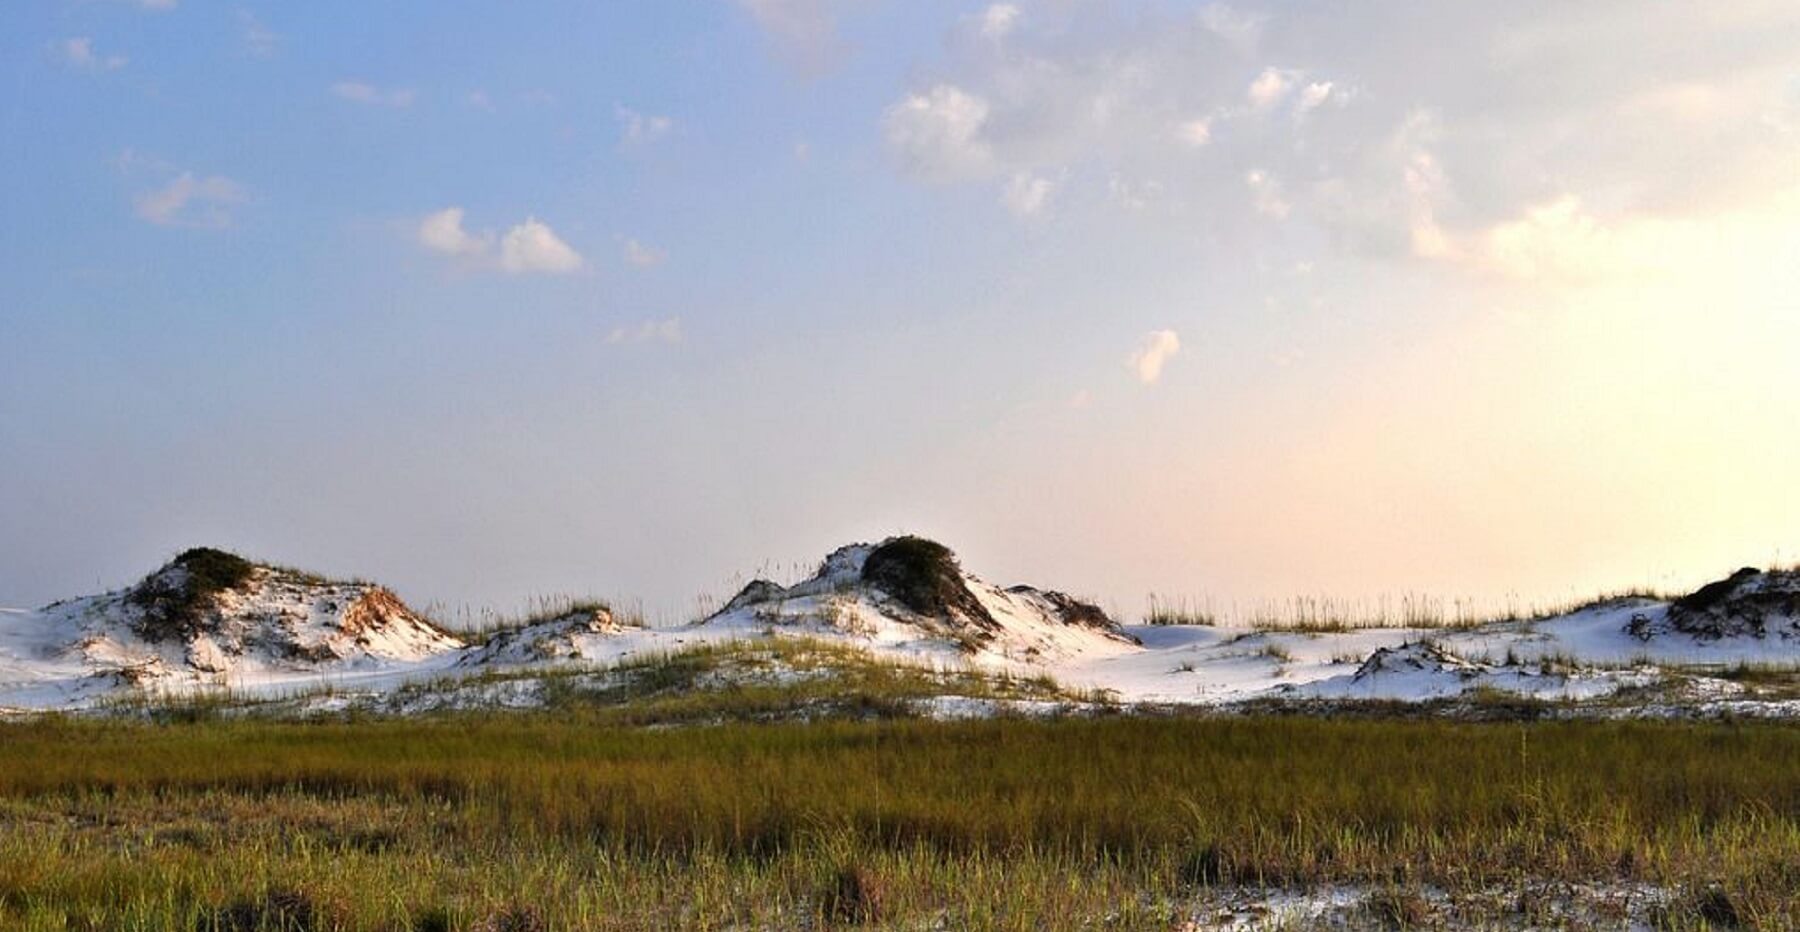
<point x="451" y="821"/>
<point x="753" y="679"/>
<point x="1325" y="614"/>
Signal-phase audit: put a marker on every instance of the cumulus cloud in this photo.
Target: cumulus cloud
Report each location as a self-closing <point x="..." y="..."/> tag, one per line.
<point x="363" y="93"/>
<point x="1158" y="348"/>
<point x="1270" y="88"/>
<point x="637" y="129"/>
<point x="649" y="331"/>
<point x="938" y="133"/>
<point x="527" y="248"/>
<point x="443" y="232"/>
<point x="533" y="247"/>
<point x="78" y="52"/>
<point x="643" y="256"/>
<point x="191" y="201"/>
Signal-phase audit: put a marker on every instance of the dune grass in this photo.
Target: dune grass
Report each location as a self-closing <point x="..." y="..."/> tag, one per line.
<point x="566" y="822"/>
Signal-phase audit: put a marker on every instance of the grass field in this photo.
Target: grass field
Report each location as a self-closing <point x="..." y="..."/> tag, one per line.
<point x="566" y="820"/>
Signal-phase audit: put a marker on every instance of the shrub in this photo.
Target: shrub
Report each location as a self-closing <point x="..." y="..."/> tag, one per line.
<point x="174" y="603"/>
<point x="923" y="575"/>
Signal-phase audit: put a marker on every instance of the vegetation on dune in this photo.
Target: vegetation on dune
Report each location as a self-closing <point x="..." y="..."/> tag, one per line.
<point x="762" y="680"/>
<point x="923" y="575"/>
<point x="556" y="821"/>
<point x="175" y="599"/>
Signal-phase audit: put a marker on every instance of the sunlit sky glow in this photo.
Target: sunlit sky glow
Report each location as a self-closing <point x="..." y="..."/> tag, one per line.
<point x="1225" y="302"/>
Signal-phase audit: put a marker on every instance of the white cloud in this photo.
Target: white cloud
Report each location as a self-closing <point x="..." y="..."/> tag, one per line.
<point x="1530" y="104"/>
<point x="637" y="129"/>
<point x="938" y="133"/>
<point x="443" y="232"/>
<point x="187" y="201"/>
<point x="998" y="20"/>
<point x="1270" y="87"/>
<point x="533" y="247"/>
<point x="650" y="331"/>
<point x="643" y="256"/>
<point x="1316" y="94"/>
<point x="1266" y="194"/>
<point x="1555" y="239"/>
<point x="1026" y="194"/>
<point x="259" y="39"/>
<point x="374" y="96"/>
<point x="1158" y="348"/>
<point x="529" y="247"/>
<point x="1195" y="133"/>
<point x="78" y="52"/>
<point x="479" y="100"/>
<point x="160" y="6"/>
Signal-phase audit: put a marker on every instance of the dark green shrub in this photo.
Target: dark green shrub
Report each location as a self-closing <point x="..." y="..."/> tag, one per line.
<point x="175" y="603"/>
<point x="923" y="575"/>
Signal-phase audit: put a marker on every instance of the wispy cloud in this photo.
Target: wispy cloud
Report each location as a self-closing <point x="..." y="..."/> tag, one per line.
<point x="805" y="32"/>
<point x="1158" y="348"/>
<point x="643" y="256"/>
<point x="259" y="40"/>
<point x="363" y="93"/>
<point x="1266" y="194"/>
<point x="78" y="52"/>
<point x="649" y="331"/>
<point x="998" y="20"/>
<point x="1235" y="26"/>
<point x="191" y="201"/>
<point x="637" y="129"/>
<point x="1026" y="194"/>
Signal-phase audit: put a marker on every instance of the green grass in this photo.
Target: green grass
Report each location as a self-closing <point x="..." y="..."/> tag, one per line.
<point x="565" y="820"/>
<point x="779" y="679"/>
<point x="759" y="679"/>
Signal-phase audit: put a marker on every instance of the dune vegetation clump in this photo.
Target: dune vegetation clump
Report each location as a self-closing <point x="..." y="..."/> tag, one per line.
<point x="174" y="600"/>
<point x="923" y="575"/>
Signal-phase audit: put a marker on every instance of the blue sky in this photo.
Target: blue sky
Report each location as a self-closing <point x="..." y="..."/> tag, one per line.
<point x="637" y="299"/>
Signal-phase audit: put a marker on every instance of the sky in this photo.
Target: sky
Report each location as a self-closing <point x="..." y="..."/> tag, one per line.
<point x="1221" y="302"/>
